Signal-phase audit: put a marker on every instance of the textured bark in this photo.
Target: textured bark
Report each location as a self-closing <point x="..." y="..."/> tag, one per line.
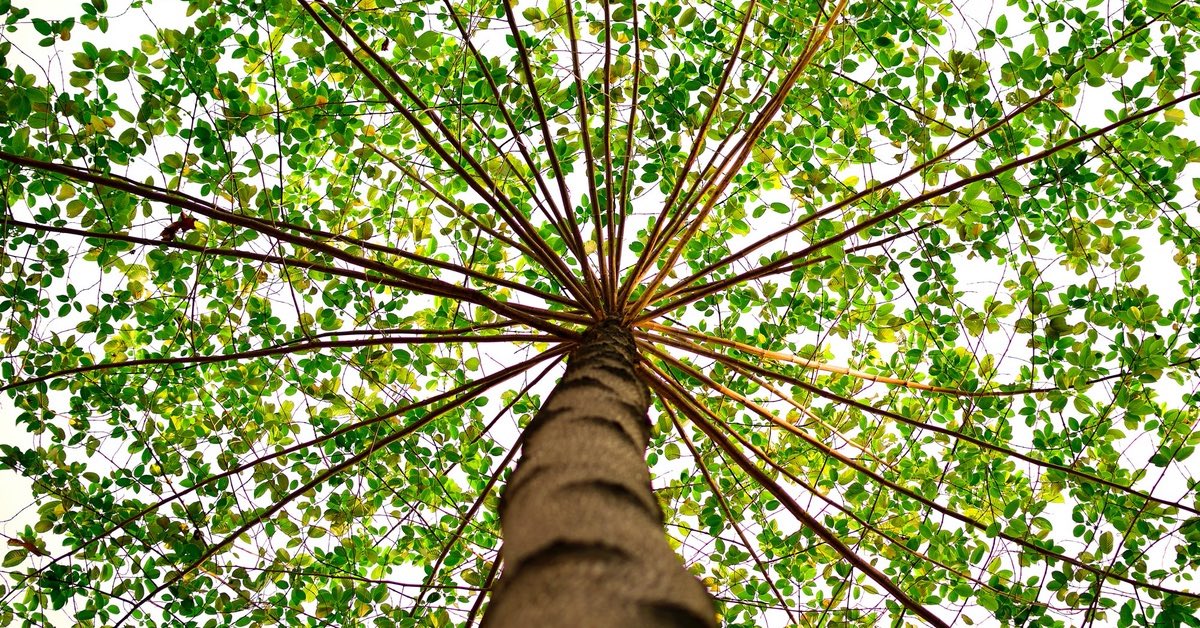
<point x="584" y="544"/>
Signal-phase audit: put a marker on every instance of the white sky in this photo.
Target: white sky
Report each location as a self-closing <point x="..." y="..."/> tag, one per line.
<point x="14" y="512"/>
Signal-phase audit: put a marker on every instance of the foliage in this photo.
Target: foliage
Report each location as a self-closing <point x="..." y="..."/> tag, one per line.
<point x="916" y="286"/>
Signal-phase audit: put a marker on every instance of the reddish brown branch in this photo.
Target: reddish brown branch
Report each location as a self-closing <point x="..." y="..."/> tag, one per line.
<point x="929" y="503"/>
<point x="408" y="280"/>
<point x="660" y="224"/>
<point x="571" y="238"/>
<point x="316" y="481"/>
<point x="899" y="544"/>
<point x="817" y="365"/>
<point x="982" y="444"/>
<point x="670" y="392"/>
<point x="585" y="134"/>
<point x="285" y="349"/>
<point x="733" y="165"/>
<point x="631" y="127"/>
<point x="1046" y="93"/>
<point x="773" y="267"/>
<point x="729" y="516"/>
<point x="491" y="193"/>
<point x="465" y="392"/>
<point x="547" y="138"/>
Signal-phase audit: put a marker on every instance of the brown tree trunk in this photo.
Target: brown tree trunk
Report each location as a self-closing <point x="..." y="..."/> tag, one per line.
<point x="584" y="544"/>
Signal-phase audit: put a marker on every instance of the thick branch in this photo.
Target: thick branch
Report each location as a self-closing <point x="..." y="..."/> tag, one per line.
<point x="414" y="282"/>
<point x="729" y="515"/>
<point x="492" y="194"/>
<point x="974" y="523"/>
<point x="738" y="157"/>
<point x="1041" y="97"/>
<point x="660" y="224"/>
<point x="671" y="393"/>
<point x="982" y="444"/>
<point x="284" y="349"/>
<point x="773" y="267"/>
<point x="464" y="392"/>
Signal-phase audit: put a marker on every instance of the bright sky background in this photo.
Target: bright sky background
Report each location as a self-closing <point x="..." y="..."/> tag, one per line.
<point x="14" y="511"/>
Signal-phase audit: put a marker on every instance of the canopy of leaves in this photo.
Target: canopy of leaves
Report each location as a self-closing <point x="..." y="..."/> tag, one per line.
<point x="915" y="283"/>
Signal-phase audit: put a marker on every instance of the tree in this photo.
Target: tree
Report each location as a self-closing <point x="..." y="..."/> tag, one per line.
<point x="286" y="290"/>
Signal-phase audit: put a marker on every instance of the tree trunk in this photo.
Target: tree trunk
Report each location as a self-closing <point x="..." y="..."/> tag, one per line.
<point x="584" y="544"/>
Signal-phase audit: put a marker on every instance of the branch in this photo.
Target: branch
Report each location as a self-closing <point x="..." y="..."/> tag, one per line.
<point x="693" y="411"/>
<point x="649" y="251"/>
<point x="466" y="519"/>
<point x="1046" y="93"/>
<point x="453" y="206"/>
<point x="773" y="267"/>
<point x="307" y="265"/>
<point x="585" y="134"/>
<point x="284" y="349"/>
<point x="729" y="516"/>
<point x="631" y="128"/>
<point x="897" y="543"/>
<point x="982" y="444"/>
<point x="467" y="391"/>
<point x="319" y="479"/>
<point x="495" y="476"/>
<point x="547" y="139"/>
<point x="840" y="370"/>
<point x="610" y="196"/>
<point x="557" y="219"/>
<point x="733" y="165"/>
<point x="414" y="282"/>
<point x="974" y="523"/>
<point x="492" y="194"/>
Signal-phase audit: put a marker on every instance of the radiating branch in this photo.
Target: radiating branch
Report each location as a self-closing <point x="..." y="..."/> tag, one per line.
<point x="467" y="518"/>
<point x="610" y="194"/>
<point x="459" y="395"/>
<point x="890" y="183"/>
<point x="737" y="159"/>
<point x="320" y="478"/>
<point x="865" y="407"/>
<point x="631" y="127"/>
<point x="492" y="479"/>
<point x="488" y="190"/>
<point x="929" y="503"/>
<point x="307" y="265"/>
<point x="414" y="282"/>
<point x="899" y="544"/>
<point x="547" y="138"/>
<point x="571" y="238"/>
<point x="284" y="349"/>
<point x="524" y="390"/>
<point x="585" y="134"/>
<point x="773" y="267"/>
<point x="451" y="204"/>
<point x="672" y="393"/>
<point x="660" y="225"/>
<point x="824" y="367"/>
<point x="730" y="517"/>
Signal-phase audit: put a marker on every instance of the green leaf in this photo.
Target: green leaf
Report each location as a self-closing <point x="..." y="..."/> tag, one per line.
<point x="116" y="73"/>
<point x="18" y="105"/>
<point x="427" y="40"/>
<point x="15" y="557"/>
<point x="334" y="312"/>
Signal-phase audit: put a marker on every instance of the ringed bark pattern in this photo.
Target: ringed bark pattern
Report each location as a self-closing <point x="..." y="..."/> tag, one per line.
<point x="584" y="544"/>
